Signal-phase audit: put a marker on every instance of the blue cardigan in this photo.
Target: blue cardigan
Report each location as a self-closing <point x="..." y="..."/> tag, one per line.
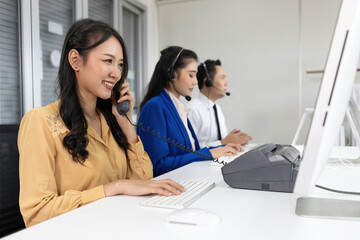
<point x="159" y="114"/>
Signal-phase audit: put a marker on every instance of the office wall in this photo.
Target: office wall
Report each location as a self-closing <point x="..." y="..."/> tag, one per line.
<point x="263" y="52"/>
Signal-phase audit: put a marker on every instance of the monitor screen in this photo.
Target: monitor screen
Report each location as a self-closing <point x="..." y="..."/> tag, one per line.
<point x="333" y="96"/>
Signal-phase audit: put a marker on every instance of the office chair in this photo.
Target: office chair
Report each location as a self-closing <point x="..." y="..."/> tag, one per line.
<point x="10" y="216"/>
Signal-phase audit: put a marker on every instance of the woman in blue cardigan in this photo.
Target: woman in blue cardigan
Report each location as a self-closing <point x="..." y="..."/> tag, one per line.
<point x="163" y="117"/>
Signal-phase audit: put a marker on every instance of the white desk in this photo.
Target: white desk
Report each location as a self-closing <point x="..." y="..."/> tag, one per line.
<point x="245" y="214"/>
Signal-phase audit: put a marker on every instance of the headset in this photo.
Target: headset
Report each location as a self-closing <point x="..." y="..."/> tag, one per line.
<point x="209" y="82"/>
<point x="171" y="73"/>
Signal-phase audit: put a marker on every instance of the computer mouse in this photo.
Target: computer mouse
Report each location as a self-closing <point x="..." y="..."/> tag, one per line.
<point x="193" y="216"/>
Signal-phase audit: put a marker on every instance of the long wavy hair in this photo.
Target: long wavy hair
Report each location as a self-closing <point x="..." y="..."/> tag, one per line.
<point x="83" y="36"/>
<point x="161" y="76"/>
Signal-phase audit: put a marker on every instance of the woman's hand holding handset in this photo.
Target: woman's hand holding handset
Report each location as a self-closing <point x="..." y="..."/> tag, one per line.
<point x="123" y="100"/>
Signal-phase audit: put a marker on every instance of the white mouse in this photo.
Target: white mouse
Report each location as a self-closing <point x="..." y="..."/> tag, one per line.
<point x="193" y="216"/>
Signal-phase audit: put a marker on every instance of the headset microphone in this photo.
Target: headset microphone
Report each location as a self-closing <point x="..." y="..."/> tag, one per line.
<point x="227" y="93"/>
<point x="188" y="98"/>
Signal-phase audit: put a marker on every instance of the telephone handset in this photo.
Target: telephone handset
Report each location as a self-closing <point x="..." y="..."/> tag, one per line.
<point x="124" y="106"/>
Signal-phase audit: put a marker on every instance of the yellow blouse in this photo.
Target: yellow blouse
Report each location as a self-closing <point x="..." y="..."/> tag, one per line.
<point x="51" y="183"/>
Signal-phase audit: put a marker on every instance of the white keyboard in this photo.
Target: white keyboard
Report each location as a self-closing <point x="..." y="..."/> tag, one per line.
<point x="194" y="190"/>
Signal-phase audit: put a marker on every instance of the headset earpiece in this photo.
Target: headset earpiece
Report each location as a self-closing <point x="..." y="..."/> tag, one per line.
<point x="170" y="75"/>
<point x="208" y="81"/>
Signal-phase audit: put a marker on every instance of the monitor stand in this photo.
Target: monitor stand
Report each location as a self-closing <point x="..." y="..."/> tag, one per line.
<point x="328" y="208"/>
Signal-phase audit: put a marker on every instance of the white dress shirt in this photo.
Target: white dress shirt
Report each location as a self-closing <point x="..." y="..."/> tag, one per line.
<point x="183" y="113"/>
<point x="202" y="118"/>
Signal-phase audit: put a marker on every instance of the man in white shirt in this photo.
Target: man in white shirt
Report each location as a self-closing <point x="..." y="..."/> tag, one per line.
<point x="205" y="115"/>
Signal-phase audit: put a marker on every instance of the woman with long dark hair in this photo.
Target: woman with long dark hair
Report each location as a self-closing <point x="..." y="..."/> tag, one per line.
<point x="163" y="124"/>
<point x="80" y="149"/>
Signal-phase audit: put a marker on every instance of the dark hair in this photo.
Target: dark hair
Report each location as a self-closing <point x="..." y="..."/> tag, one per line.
<point x="83" y="36"/>
<point x="210" y="66"/>
<point x="161" y="76"/>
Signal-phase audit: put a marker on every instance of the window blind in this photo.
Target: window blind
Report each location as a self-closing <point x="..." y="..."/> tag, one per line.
<point x="55" y="19"/>
<point x="131" y="38"/>
<point x="101" y="10"/>
<point x="9" y="63"/>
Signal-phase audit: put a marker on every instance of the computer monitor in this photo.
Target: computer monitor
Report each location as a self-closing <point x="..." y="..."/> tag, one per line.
<point x="333" y="97"/>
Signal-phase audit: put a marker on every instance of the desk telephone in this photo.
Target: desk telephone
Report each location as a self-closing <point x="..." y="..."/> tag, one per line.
<point x="270" y="167"/>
